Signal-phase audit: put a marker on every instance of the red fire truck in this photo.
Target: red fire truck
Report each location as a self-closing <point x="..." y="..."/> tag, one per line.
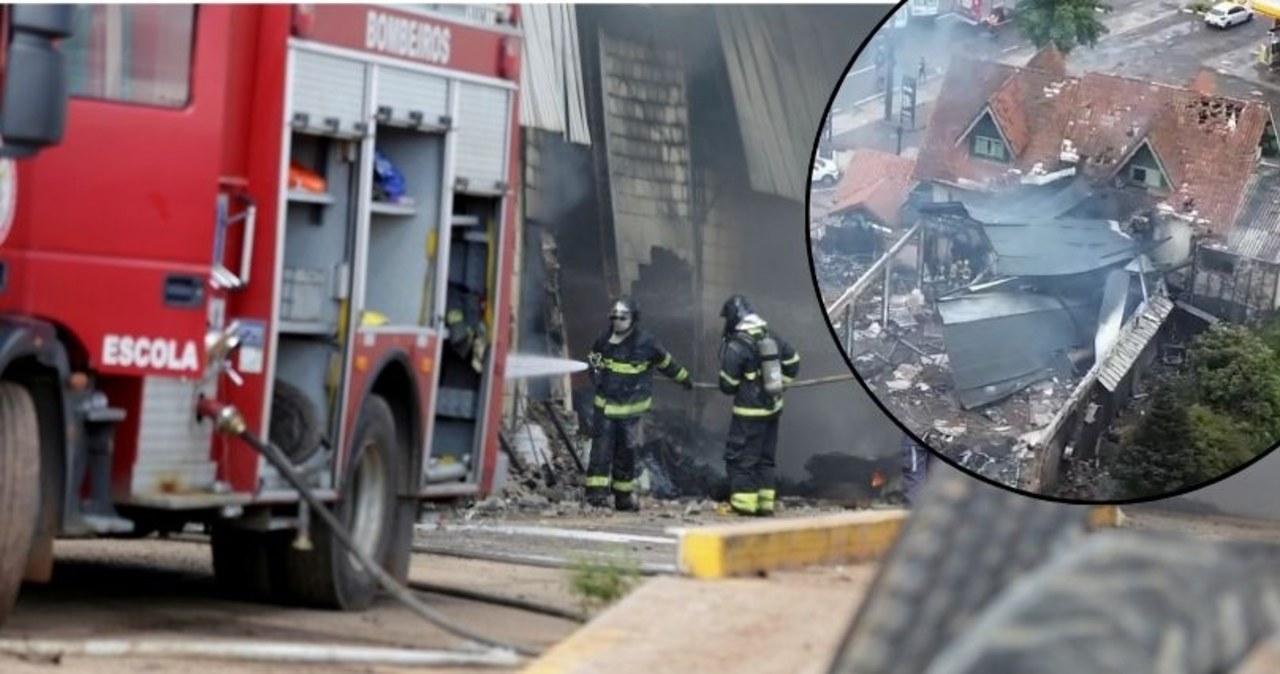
<point x="304" y="212"/>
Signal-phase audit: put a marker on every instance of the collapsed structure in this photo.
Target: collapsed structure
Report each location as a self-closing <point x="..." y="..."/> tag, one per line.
<point x="1055" y="223"/>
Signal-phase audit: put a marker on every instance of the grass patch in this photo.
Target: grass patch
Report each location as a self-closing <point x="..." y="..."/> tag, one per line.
<point x="598" y="583"/>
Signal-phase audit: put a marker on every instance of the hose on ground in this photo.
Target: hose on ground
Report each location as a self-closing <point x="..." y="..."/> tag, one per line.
<point x="391" y="585"/>
<point x="498" y="600"/>
<point x="260" y="651"/>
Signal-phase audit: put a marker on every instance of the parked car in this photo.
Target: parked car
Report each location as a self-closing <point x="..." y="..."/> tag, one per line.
<point x="825" y="172"/>
<point x="1227" y="14"/>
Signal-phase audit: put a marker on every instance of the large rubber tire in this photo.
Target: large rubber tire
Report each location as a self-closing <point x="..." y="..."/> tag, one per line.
<point x="962" y="544"/>
<point x="328" y="576"/>
<point x="1128" y="602"/>
<point x="295" y="423"/>
<point x="19" y="488"/>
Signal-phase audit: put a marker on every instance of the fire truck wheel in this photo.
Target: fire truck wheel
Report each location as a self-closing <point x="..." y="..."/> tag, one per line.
<point x="328" y="576"/>
<point x="295" y="426"/>
<point x="19" y="488"/>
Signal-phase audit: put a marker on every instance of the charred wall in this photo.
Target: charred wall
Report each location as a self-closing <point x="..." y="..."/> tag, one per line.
<point x="711" y="233"/>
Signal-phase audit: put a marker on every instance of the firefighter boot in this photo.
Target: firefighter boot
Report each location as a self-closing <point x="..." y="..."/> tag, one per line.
<point x="746" y="504"/>
<point x="597" y="497"/>
<point x="623" y="501"/>
<point x="767" y="499"/>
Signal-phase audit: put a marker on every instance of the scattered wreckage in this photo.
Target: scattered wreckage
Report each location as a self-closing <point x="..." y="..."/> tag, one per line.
<point x="1009" y="326"/>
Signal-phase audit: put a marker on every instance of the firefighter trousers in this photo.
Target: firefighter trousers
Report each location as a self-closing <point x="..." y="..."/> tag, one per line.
<point x="612" y="465"/>
<point x="749" y="458"/>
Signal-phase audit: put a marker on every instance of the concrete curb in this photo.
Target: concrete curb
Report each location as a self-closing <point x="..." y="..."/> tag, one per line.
<point x="770" y="545"/>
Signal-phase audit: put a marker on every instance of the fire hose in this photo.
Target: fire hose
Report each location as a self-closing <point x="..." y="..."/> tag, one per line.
<point x="228" y="420"/>
<point x="816" y="381"/>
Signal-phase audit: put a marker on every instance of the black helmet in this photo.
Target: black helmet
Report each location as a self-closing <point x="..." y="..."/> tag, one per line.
<point x="733" y="311"/>
<point x="625" y="304"/>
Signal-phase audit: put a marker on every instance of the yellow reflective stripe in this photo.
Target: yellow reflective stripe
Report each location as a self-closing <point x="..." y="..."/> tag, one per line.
<point x="787" y="380"/>
<point x="627" y="409"/>
<point x="757" y="411"/>
<point x="751" y="376"/>
<point x="744" y="502"/>
<point x="622" y="485"/>
<point x="597" y="481"/>
<point x="682" y="375"/>
<point x="600" y="401"/>
<point x="792" y="360"/>
<point x="453" y="316"/>
<point x="622" y="367"/>
<point x="725" y="376"/>
<point x="665" y="361"/>
<point x="768" y="496"/>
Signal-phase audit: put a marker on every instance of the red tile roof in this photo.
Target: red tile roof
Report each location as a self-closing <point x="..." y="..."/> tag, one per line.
<point x="877" y="182"/>
<point x="1206" y="143"/>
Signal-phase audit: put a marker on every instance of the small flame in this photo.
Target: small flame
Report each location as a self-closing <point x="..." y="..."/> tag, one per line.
<point x="877" y="480"/>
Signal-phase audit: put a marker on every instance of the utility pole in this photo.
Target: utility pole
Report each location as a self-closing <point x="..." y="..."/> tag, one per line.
<point x="890" y="58"/>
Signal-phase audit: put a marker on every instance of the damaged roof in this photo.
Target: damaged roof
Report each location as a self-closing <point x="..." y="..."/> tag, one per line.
<point x="877" y="182"/>
<point x="1058" y="247"/>
<point x="1034" y="332"/>
<point x="1206" y="144"/>
<point x="1256" y="234"/>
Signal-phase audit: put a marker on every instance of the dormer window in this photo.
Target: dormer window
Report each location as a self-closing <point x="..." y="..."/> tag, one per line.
<point x="987" y="147"/>
<point x="1147" y="177"/>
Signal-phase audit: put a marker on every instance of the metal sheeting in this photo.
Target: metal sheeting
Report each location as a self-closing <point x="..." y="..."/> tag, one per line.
<point x="551" y="77"/>
<point x="1142" y="328"/>
<point x="1058" y="247"/>
<point x="1001" y="342"/>
<point x="1256" y="233"/>
<point x="775" y="58"/>
<point x="1025" y="204"/>
<point x="329" y="87"/>
<point x="482" y="134"/>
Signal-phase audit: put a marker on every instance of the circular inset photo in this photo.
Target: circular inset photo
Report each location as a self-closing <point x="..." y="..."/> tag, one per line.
<point x="1051" y="253"/>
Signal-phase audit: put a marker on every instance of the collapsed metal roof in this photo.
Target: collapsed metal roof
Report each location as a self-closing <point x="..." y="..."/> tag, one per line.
<point x="1058" y="247"/>
<point x="1001" y="342"/>
<point x="1139" y="332"/>
<point x="1023" y="204"/>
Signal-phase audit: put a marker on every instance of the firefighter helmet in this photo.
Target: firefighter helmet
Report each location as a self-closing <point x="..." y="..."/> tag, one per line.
<point x="734" y="310"/>
<point x="625" y="306"/>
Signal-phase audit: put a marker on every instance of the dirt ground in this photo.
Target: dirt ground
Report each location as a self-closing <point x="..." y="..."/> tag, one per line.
<point x="154" y="589"/>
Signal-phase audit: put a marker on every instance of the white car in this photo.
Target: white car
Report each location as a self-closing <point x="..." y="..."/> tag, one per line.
<point x="1227" y="14"/>
<point x="825" y="172"/>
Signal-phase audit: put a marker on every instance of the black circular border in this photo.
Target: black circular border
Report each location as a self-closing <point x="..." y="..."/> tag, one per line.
<point x="835" y="336"/>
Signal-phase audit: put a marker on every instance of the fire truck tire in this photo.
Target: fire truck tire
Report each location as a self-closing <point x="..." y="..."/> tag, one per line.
<point x="1132" y="602"/>
<point x="328" y="576"/>
<point x="19" y="488"/>
<point x="247" y="564"/>
<point x="295" y="425"/>
<point x="964" y="541"/>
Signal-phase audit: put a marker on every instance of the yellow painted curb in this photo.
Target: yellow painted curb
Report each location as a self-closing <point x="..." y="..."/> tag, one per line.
<point x="752" y="547"/>
<point x="845" y="538"/>
<point x="1106" y="516"/>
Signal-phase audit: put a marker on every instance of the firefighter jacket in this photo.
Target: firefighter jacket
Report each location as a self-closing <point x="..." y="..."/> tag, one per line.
<point x="740" y="369"/>
<point x="623" y="372"/>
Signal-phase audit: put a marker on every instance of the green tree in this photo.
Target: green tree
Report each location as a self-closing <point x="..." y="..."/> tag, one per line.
<point x="1066" y="24"/>
<point x="1222" y="444"/>
<point x="1159" y="458"/>
<point x="1232" y="370"/>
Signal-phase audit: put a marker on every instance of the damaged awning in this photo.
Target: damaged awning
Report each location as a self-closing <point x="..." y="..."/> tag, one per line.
<point x="1058" y="247"/>
<point x="1142" y="328"/>
<point x="1001" y="342"/>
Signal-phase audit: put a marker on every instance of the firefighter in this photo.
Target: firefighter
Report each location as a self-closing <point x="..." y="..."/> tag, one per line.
<point x="754" y="367"/>
<point x="466" y="329"/>
<point x="621" y="362"/>
<point x="915" y="468"/>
